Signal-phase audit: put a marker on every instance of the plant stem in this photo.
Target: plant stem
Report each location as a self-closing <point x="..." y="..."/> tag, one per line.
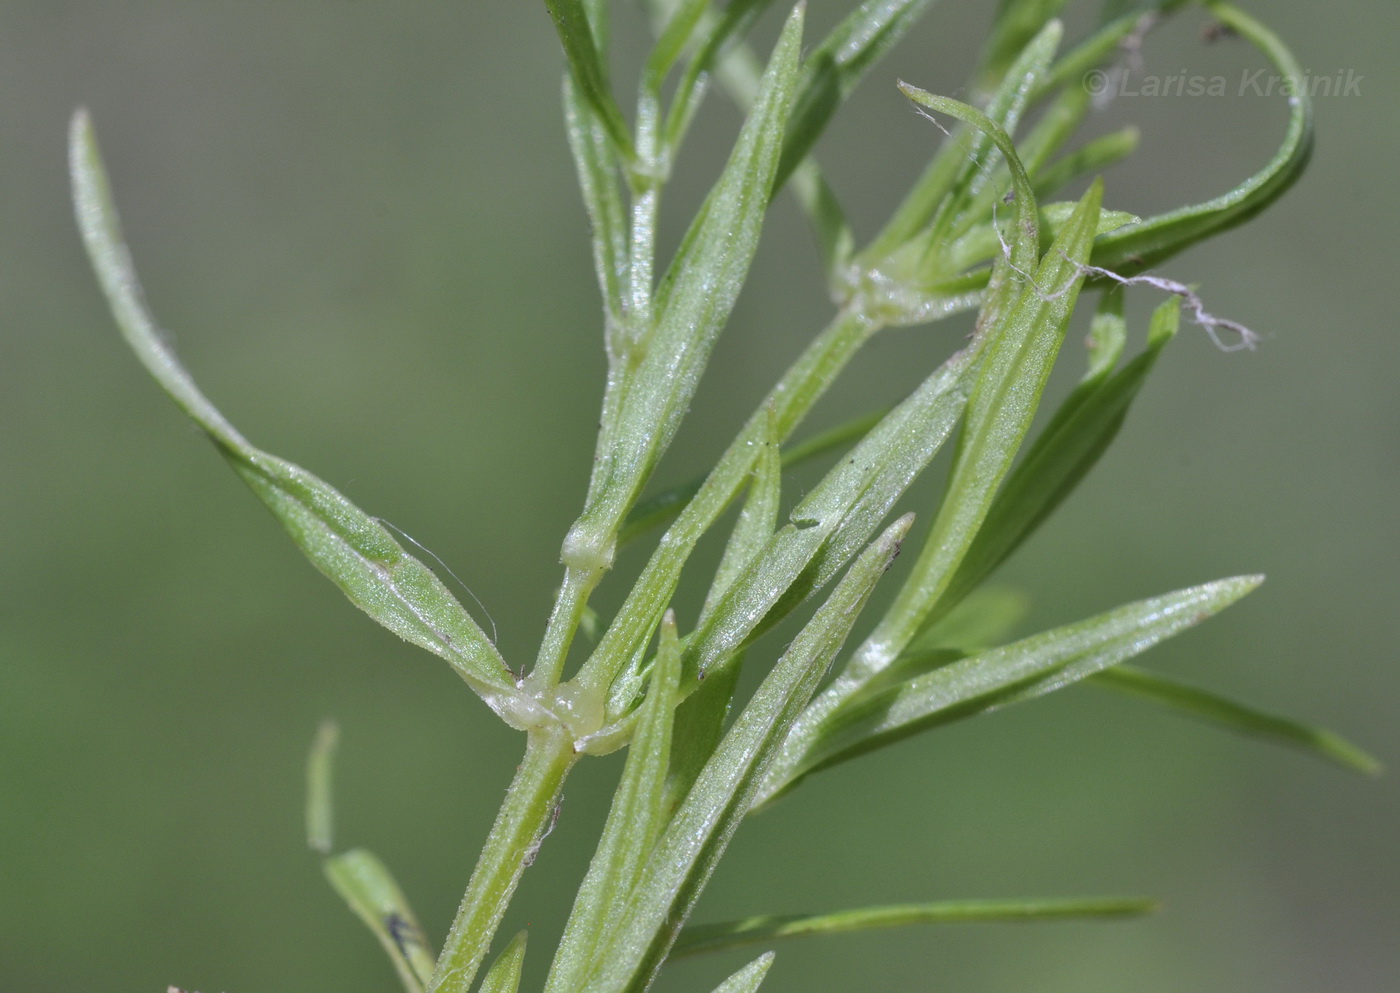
<point x="559" y="634"/>
<point x="523" y="821"/>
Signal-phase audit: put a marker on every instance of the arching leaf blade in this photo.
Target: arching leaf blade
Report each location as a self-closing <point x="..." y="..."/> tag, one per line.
<point x="366" y="884"/>
<point x="350" y="547"/>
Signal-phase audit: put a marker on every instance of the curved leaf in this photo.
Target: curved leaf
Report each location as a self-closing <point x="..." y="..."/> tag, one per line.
<point x="1141" y="246"/>
<point x="369" y="888"/>
<point x="757" y="520"/>
<point x="350" y="547"/>
<point x="1021" y="349"/>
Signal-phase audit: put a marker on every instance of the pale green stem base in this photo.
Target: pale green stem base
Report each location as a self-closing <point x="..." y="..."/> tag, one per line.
<point x="521" y="824"/>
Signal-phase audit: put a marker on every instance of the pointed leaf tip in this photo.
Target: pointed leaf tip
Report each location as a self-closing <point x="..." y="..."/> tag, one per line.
<point x="349" y="546"/>
<point x="504" y="974"/>
<point x="749" y="978"/>
<point x="997" y="678"/>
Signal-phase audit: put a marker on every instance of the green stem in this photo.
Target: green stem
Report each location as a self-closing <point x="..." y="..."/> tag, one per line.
<point x="559" y="634"/>
<point x="587" y="553"/>
<point x="645" y="183"/>
<point x="523" y="821"/>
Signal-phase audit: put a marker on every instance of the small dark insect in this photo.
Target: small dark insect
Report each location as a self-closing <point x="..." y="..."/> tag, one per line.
<point x="403" y="931"/>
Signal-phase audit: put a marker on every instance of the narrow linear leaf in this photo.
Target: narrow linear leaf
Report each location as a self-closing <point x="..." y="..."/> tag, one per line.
<point x="834" y="68"/>
<point x="1025" y="237"/>
<point x="586" y="69"/>
<point x="749" y="978"/>
<point x="619" y="660"/>
<point x="634" y="822"/>
<point x="698" y="939"/>
<point x="1235" y="716"/>
<point x="504" y="974"/>
<point x="990" y="680"/>
<point x="828" y="441"/>
<point x="699" y="728"/>
<point x="1117" y="23"/>
<point x="695" y="298"/>
<point x="980" y="621"/>
<point x="1055" y="127"/>
<point x="739" y="71"/>
<point x="921" y="279"/>
<point x="757" y="521"/>
<point x="965" y="163"/>
<point x="721" y="37"/>
<point x="836" y="241"/>
<point x="1015" y="24"/>
<point x="1060" y="458"/>
<point x="1089" y="159"/>
<point x="351" y="548"/>
<point x="1020" y="354"/>
<point x="829" y="74"/>
<point x="1144" y="245"/>
<point x="1022" y="341"/>
<point x="663" y="507"/>
<point x="842" y="510"/>
<point x="369" y="888"/>
<point x="597" y="166"/>
<point x="1006" y="108"/>
<point x="320" y="810"/>
<point x="600" y="22"/>
<point x="1108" y="336"/>
<point x="685" y="856"/>
<point x="685" y="18"/>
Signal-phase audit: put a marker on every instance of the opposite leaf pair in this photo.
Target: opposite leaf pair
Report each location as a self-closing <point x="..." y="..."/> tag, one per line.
<point x="971" y="233"/>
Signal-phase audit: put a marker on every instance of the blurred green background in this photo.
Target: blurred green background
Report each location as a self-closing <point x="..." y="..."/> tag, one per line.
<point x="360" y="224"/>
